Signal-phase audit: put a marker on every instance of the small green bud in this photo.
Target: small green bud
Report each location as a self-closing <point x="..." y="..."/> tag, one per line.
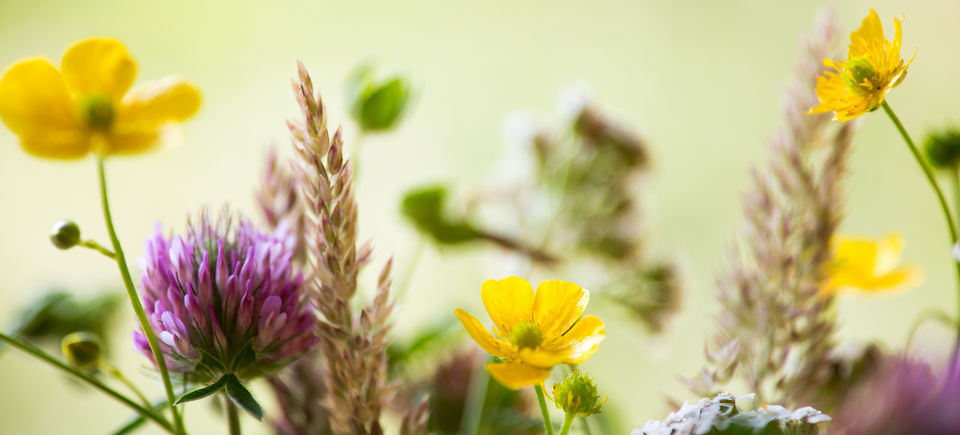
<point x="526" y="335"/>
<point x="82" y="349"/>
<point x="577" y="394"/>
<point x="942" y="148"/>
<point x="65" y="234"/>
<point x="375" y="104"/>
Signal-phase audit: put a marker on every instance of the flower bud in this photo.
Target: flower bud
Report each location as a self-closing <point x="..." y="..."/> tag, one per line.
<point x="942" y="148"/>
<point x="82" y="349"/>
<point x="376" y="104"/>
<point x="577" y="394"/>
<point x="65" y="234"/>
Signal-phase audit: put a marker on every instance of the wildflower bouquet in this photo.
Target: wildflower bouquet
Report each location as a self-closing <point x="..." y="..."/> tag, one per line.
<point x="273" y="320"/>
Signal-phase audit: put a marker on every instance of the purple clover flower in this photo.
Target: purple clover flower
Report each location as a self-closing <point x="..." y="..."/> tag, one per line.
<point x="224" y="299"/>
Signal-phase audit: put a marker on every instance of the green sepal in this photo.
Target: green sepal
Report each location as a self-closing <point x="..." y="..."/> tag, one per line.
<point x="239" y="395"/>
<point x="203" y="392"/>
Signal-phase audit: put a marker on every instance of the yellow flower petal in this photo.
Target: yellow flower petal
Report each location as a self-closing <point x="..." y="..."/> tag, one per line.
<point x="37" y="106"/>
<point x="516" y="375"/>
<point x="864" y="39"/>
<point x="98" y="65"/>
<point x="583" y="339"/>
<point x="480" y="334"/>
<point x="508" y="301"/>
<point x="170" y="99"/>
<point x="868" y="265"/>
<point x="557" y="305"/>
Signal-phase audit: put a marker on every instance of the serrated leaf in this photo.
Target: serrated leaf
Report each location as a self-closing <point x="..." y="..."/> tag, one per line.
<point x="240" y="396"/>
<point x="203" y="392"/>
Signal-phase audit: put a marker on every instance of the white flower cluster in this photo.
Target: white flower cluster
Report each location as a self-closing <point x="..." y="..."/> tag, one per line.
<point x="720" y="415"/>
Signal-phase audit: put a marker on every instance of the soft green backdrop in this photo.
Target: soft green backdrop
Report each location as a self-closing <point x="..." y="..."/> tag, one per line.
<point x="701" y="80"/>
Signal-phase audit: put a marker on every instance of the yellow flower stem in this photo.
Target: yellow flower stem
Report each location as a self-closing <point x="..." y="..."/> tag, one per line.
<point x="547" y="424"/>
<point x="135" y="300"/>
<point x="94" y="382"/>
<point x="567" y="422"/>
<point x="943" y="205"/>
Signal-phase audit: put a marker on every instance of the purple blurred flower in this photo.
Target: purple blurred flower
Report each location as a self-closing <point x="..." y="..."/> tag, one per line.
<point x="224" y="298"/>
<point x="902" y="397"/>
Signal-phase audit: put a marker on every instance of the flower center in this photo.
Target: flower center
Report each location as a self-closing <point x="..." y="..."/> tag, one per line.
<point x="97" y="111"/>
<point x="526" y="334"/>
<point x="861" y="76"/>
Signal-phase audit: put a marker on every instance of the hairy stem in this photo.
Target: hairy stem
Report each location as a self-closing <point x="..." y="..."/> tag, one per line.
<point x="135" y="300"/>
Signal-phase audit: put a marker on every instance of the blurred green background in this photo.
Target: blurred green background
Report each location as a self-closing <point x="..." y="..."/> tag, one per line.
<point x="700" y="80"/>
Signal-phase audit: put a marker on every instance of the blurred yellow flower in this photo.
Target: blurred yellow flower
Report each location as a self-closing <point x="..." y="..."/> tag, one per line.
<point x="534" y="332"/>
<point x="868" y="265"/>
<point x="85" y="106"/>
<point x="859" y="83"/>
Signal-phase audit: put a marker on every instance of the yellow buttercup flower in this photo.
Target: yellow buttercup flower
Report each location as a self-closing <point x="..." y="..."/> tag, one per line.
<point x="534" y="332"/>
<point x="868" y="265"/>
<point x="87" y="104"/>
<point x="859" y="83"/>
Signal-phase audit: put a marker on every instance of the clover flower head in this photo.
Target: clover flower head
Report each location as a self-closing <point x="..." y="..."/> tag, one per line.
<point x="87" y="105"/>
<point x="225" y="299"/>
<point x="869" y="265"/>
<point x="859" y="83"/>
<point x="534" y="332"/>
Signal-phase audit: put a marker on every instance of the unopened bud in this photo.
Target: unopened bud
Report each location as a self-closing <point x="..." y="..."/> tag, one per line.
<point x="65" y="234"/>
<point x="577" y="394"/>
<point x="942" y="148"/>
<point x="377" y="104"/>
<point x="82" y="349"/>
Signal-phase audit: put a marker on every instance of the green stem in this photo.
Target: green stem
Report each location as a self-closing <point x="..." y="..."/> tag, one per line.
<point x="233" y="417"/>
<point x="567" y="422"/>
<point x="135" y="300"/>
<point x="94" y="382"/>
<point x="476" y="399"/>
<point x="92" y="244"/>
<point x="943" y="205"/>
<point x="956" y="192"/>
<point x="547" y="424"/>
<point x="586" y="426"/>
<point x="926" y="171"/>
<point x="113" y="371"/>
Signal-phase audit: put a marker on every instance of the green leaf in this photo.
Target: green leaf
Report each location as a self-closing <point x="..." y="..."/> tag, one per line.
<point x="425" y="206"/>
<point x="203" y="392"/>
<point x="239" y="395"/>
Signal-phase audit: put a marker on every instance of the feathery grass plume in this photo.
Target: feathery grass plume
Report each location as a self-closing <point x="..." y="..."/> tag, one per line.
<point x="775" y="332"/>
<point x="278" y="196"/>
<point x="354" y="346"/>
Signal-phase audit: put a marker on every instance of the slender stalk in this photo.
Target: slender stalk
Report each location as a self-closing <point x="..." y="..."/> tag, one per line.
<point x="94" y="382"/>
<point x="115" y="372"/>
<point x="955" y="178"/>
<point x="476" y="399"/>
<point x="943" y="205"/>
<point x="926" y="171"/>
<point x="92" y="244"/>
<point x="586" y="426"/>
<point x="233" y="417"/>
<point x="135" y="300"/>
<point x="547" y="424"/>
<point x="567" y="422"/>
